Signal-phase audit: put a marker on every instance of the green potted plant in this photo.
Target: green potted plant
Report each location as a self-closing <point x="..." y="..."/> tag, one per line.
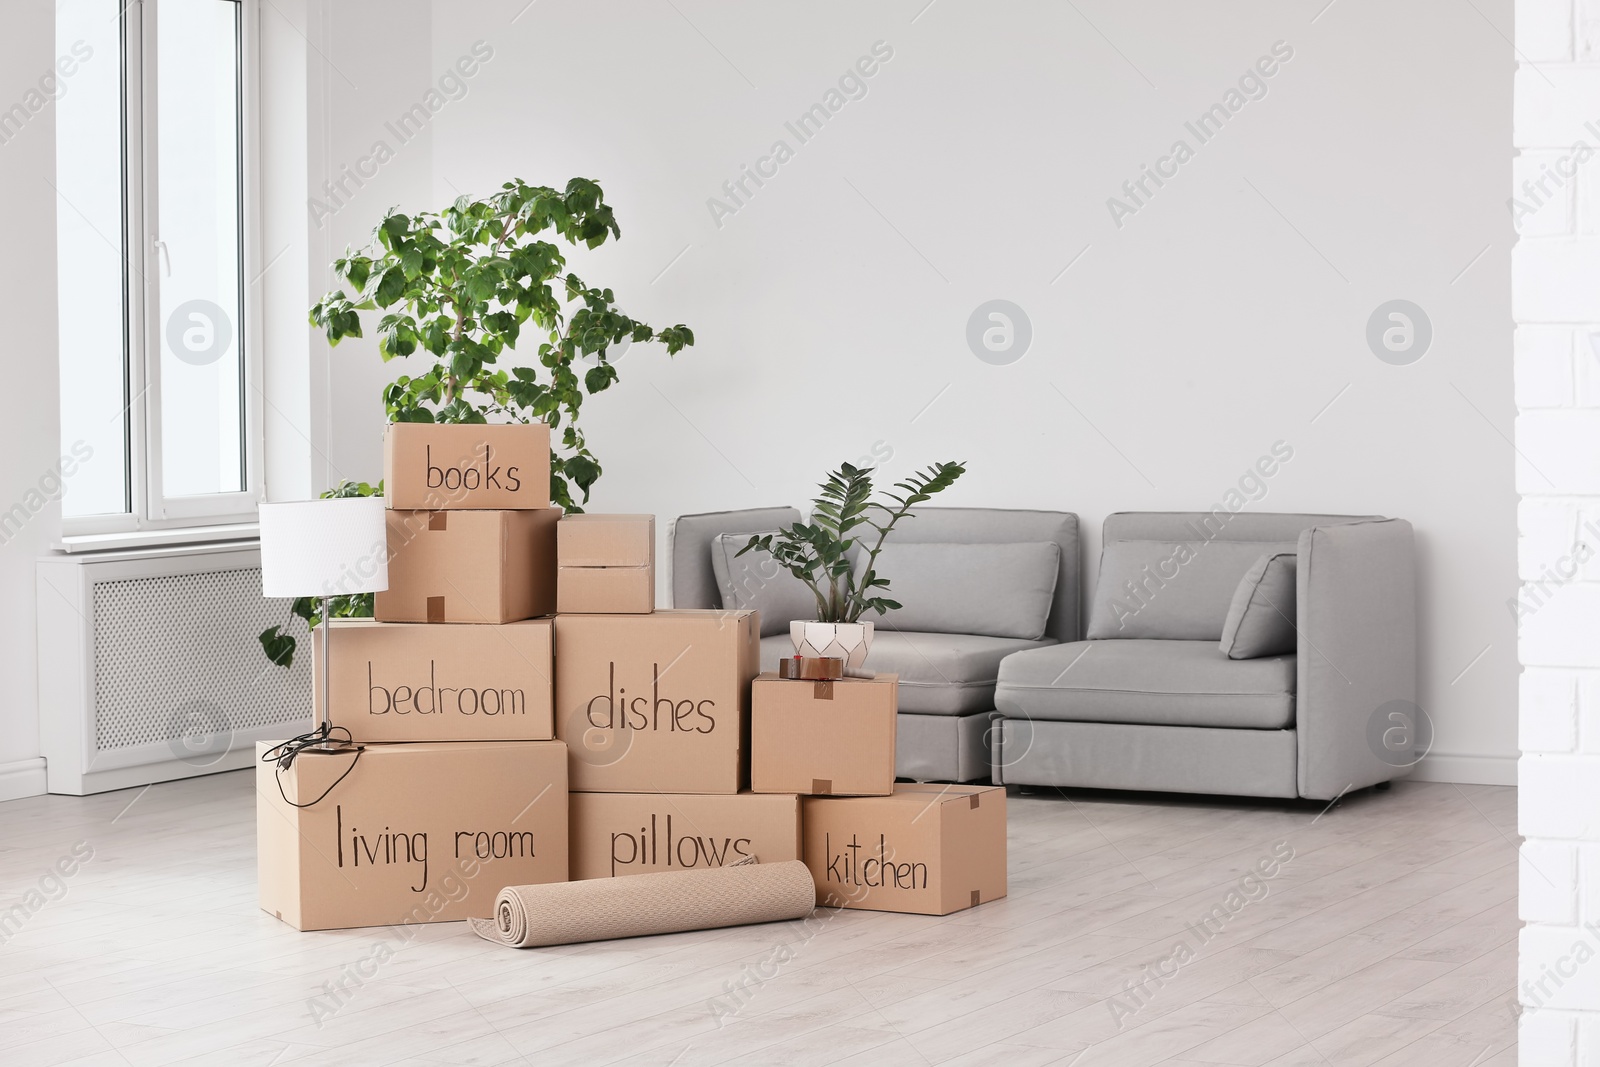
<point x="506" y="329"/>
<point x="460" y="287"/>
<point x="822" y="554"/>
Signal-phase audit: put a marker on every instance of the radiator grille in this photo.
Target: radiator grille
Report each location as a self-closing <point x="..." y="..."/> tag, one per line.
<point x="176" y="660"/>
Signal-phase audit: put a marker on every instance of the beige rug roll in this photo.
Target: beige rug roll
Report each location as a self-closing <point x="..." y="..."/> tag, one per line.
<point x="636" y="905"/>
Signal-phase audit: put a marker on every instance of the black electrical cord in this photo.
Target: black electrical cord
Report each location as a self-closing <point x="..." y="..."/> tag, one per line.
<point x="320" y="740"/>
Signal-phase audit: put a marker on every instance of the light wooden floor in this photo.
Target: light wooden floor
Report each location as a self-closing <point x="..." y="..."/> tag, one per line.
<point x="1389" y="938"/>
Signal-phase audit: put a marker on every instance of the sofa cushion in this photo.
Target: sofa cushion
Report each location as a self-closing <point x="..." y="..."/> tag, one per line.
<point x="1261" y="617"/>
<point x="689" y="549"/>
<point x="1170" y="590"/>
<point x="940" y="674"/>
<point x="756" y="580"/>
<point x="1001" y="589"/>
<point x="1155" y="683"/>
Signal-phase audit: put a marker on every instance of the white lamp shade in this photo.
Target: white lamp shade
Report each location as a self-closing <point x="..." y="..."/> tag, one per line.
<point x="323" y="547"/>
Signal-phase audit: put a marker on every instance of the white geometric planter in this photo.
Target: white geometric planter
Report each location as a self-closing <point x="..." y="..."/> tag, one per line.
<point x="849" y="641"/>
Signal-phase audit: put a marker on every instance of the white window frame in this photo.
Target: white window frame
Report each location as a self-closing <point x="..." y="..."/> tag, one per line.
<point x="149" y="509"/>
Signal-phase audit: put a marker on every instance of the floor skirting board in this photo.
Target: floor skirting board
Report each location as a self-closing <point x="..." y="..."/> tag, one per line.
<point x="22" y="778"/>
<point x="1467" y="770"/>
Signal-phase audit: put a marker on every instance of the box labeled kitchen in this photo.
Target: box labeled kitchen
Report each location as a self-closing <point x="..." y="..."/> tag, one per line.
<point x="924" y="849"/>
<point x="398" y="681"/>
<point x="416" y="833"/>
<point x="606" y="564"/>
<point x="656" y="703"/>
<point x="826" y="738"/>
<point x="431" y="466"/>
<point x="469" y="566"/>
<point x="615" y="834"/>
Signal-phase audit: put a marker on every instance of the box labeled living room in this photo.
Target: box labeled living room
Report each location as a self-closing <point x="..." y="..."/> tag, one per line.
<point x="349" y="839"/>
<point x="707" y="534"/>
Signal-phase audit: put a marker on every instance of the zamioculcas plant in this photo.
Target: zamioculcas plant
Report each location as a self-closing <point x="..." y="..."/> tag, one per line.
<point x="819" y="552"/>
<point x="480" y="292"/>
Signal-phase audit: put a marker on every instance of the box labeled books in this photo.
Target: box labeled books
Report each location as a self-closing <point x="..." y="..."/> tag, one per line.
<point x="431" y="466"/>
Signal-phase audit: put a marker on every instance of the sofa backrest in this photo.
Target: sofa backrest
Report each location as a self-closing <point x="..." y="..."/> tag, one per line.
<point x="1011" y="525"/>
<point x="694" y="585"/>
<point x="1171" y="575"/>
<point x="1199" y="525"/>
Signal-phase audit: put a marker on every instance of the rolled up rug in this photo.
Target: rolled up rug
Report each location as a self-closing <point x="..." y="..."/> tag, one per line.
<point x="666" y="902"/>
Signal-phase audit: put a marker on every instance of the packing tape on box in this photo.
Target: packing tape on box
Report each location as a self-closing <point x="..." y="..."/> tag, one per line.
<point x="637" y="905"/>
<point x="811" y="668"/>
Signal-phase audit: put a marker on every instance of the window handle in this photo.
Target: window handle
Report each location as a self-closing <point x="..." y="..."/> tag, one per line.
<point x="161" y="247"/>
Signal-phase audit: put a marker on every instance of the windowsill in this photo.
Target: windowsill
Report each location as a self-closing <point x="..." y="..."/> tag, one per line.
<point x="188" y="535"/>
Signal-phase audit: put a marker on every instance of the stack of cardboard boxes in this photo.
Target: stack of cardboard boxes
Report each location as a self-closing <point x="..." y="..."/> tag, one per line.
<point x="499" y="746"/>
<point x="455" y="787"/>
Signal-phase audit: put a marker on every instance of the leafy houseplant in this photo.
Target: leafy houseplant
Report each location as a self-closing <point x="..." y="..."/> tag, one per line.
<point x="461" y="286"/>
<point x="818" y="553"/>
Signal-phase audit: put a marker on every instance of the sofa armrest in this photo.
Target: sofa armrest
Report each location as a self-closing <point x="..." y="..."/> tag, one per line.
<point x="1357" y="621"/>
<point x="689" y="549"/>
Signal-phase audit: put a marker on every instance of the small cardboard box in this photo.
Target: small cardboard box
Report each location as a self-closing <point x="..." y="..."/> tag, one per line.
<point x="925" y="849"/>
<point x="411" y="834"/>
<point x="605" y="590"/>
<point x="469" y="566"/>
<point x="656" y="703"/>
<point x="591" y="540"/>
<point x="823" y="738"/>
<point x="438" y="467"/>
<point x="607" y="564"/>
<point x="615" y="834"/>
<point x="402" y="681"/>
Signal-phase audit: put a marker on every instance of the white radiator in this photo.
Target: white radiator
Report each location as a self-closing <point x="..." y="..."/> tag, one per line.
<point x="149" y="667"/>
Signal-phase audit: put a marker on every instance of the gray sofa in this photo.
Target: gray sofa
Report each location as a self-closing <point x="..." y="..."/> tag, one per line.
<point x="1151" y="702"/>
<point x="947" y="680"/>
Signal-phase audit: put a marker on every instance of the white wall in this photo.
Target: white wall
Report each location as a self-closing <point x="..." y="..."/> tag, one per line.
<point x="337" y="73"/>
<point x="1224" y="315"/>
<point x="1556" y="301"/>
<point x="30" y="426"/>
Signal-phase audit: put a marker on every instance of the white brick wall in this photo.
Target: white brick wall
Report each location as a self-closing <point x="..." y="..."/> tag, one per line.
<point x="1556" y="303"/>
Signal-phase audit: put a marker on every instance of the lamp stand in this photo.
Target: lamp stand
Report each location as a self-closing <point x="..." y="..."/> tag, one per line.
<point x="327" y="667"/>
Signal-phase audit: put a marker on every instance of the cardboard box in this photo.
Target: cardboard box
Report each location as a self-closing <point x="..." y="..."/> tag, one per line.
<point x="438" y="467"/>
<point x="823" y="738"/>
<point x="606" y="564"/>
<point x="926" y="849"/>
<point x="605" y="590"/>
<point x="591" y="540"/>
<point x="469" y="566"/>
<point x="402" y="681"/>
<point x="413" y="833"/>
<point x="614" y="834"/>
<point x="656" y="703"/>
